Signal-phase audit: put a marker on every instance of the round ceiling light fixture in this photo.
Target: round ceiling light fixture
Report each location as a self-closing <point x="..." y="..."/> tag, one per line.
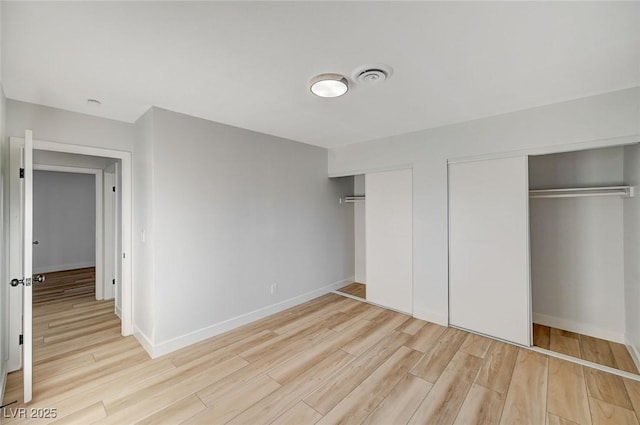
<point x="329" y="85"/>
<point x="94" y="102"/>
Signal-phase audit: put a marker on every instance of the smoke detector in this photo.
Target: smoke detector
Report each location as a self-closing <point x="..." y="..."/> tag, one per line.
<point x="372" y="74"/>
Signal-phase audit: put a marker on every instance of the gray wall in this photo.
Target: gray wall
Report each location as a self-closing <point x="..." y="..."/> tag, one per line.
<point x="57" y="125"/>
<point x="606" y="116"/>
<point x="64" y="221"/>
<point x="235" y="211"/>
<point x="632" y="249"/>
<point x="244" y="210"/>
<point x="143" y="267"/>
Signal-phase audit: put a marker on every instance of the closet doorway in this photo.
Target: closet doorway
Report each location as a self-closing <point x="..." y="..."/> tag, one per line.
<point x="543" y="251"/>
<point x="358" y="288"/>
<point x="584" y="242"/>
<point x="383" y="239"/>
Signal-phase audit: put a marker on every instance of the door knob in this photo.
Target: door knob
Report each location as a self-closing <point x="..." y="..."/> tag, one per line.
<point x="36" y="242"/>
<point x="39" y="278"/>
<point x="25" y="282"/>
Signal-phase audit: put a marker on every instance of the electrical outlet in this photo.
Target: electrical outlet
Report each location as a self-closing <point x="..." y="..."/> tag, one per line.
<point x="273" y="288"/>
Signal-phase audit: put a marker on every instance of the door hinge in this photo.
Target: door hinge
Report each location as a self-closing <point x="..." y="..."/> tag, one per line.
<point x="114" y="188"/>
<point x="22" y="173"/>
<point x="20" y="340"/>
<point x="113" y="282"/>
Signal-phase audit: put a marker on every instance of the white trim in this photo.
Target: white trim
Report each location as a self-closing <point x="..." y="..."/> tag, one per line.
<point x="578" y="327"/>
<point x="156" y="350"/>
<point x="143" y="340"/>
<point x="118" y="312"/>
<point x="109" y="255"/>
<point x="371" y="170"/>
<point x="557" y="355"/>
<point x="582" y="362"/>
<point x="354" y="297"/>
<point x="635" y="354"/>
<point x="63" y="267"/>
<point x="545" y="150"/>
<point x="127" y="217"/>
<point x="99" y="236"/>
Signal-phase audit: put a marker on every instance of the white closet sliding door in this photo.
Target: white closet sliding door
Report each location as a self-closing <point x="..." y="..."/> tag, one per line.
<point x="489" y="290"/>
<point x="389" y="239"/>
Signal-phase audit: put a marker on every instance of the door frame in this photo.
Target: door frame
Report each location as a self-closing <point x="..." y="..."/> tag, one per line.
<point x="100" y="237"/>
<point x="109" y="232"/>
<point x="125" y="223"/>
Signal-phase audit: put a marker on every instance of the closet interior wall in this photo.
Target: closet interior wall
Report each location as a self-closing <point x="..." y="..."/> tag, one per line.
<point x="578" y="244"/>
<point x="359" y="210"/>
<point x="631" y="213"/>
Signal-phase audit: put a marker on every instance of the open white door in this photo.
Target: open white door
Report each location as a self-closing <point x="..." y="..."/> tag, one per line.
<point x="25" y="280"/>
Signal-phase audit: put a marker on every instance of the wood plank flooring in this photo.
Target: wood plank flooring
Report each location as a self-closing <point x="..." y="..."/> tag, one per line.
<point x="330" y="360"/>
<point x="356" y="289"/>
<point x="596" y="350"/>
<point x="65" y="286"/>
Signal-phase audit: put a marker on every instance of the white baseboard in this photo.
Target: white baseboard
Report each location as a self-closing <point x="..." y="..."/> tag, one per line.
<point x="143" y="340"/>
<point x="635" y="353"/>
<point x="579" y="327"/>
<point x="174" y="344"/>
<point x="119" y="312"/>
<point x="431" y="316"/>
<point x="62" y="267"/>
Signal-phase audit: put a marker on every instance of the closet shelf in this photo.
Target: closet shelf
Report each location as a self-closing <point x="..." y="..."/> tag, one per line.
<point x="577" y="192"/>
<point x="352" y="199"/>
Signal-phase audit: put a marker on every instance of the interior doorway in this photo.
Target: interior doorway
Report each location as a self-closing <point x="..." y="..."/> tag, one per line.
<point x="115" y="164"/>
<point x="359" y="287"/>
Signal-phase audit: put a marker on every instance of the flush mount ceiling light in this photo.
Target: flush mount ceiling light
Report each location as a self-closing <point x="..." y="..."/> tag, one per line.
<point x="94" y="102"/>
<point x="329" y="85"/>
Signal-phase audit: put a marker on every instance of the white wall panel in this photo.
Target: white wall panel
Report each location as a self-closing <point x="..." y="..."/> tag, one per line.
<point x="389" y="240"/>
<point x="489" y="248"/>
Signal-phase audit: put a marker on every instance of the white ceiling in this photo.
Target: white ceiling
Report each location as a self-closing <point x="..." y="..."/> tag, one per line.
<point x="248" y="63"/>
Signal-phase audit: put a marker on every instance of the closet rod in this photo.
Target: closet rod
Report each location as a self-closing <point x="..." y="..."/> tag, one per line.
<point x="352" y="199"/>
<point x="578" y="192"/>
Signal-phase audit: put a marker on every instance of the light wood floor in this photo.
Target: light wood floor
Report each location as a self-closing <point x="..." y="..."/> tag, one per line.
<point x="596" y="350"/>
<point x="65" y="286"/>
<point x="330" y="360"/>
<point x="356" y="289"/>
